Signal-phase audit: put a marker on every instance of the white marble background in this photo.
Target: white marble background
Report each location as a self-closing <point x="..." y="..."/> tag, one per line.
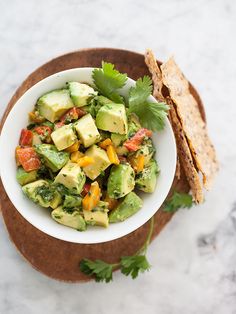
<point x="194" y="258"/>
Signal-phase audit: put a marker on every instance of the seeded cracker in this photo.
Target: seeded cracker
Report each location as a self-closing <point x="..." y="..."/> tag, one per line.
<point x="185" y="156"/>
<point x="154" y="69"/>
<point x="193" y="126"/>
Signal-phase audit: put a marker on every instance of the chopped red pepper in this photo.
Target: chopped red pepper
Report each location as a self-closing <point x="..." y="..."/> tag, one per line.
<point x="26" y="137"/>
<point x="80" y="112"/>
<point x="43" y="130"/>
<point x="86" y="189"/>
<point x="72" y="114"/>
<point x="133" y="144"/>
<point x="28" y="158"/>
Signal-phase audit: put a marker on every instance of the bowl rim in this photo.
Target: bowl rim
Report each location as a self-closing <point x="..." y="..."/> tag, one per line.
<point x="9" y="192"/>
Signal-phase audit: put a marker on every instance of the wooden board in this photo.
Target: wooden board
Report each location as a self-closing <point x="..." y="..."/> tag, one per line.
<point x="59" y="259"/>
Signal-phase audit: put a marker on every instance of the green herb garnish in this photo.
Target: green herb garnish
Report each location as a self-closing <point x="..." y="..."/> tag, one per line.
<point x="151" y="115"/>
<point x="108" y="81"/>
<point x="178" y="200"/>
<point x="128" y="265"/>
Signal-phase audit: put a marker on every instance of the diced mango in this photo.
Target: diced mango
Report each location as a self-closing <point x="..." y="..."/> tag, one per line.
<point x="112" y="155"/>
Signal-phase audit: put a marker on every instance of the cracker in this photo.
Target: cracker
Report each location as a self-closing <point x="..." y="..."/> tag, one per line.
<point x="192" y="123"/>
<point x="154" y="69"/>
<point x="186" y="156"/>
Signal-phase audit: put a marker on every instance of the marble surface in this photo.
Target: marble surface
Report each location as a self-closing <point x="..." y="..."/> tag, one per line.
<point x="194" y="258"/>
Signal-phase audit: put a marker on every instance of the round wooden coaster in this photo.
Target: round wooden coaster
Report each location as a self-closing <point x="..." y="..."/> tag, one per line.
<point x="59" y="259"/>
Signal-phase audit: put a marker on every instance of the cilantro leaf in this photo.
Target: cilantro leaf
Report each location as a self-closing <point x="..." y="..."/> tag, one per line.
<point x="129" y="265"/>
<point x="141" y="91"/>
<point x="151" y="115"/>
<point x="108" y="81"/>
<point x="178" y="200"/>
<point x="101" y="270"/>
<point x="132" y="265"/>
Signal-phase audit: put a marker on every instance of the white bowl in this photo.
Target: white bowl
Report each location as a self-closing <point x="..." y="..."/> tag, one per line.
<point x="39" y="217"/>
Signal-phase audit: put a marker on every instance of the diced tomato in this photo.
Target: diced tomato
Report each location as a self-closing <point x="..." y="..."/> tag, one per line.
<point x="133" y="144"/>
<point x="28" y="158"/>
<point x="43" y="130"/>
<point x="132" y="147"/>
<point x="80" y="112"/>
<point x="26" y="137"/>
<point x="72" y="114"/>
<point x="86" y="189"/>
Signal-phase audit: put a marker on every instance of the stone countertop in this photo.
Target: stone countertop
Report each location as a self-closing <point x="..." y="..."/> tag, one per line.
<point x="194" y="258"/>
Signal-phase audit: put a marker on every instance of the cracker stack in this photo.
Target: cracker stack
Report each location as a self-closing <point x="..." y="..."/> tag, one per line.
<point x="195" y="150"/>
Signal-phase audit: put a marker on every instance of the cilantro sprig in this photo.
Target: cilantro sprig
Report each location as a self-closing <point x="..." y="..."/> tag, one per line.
<point x="137" y="263"/>
<point x="128" y="265"/>
<point x="151" y="115"/>
<point x="108" y="81"/>
<point x="178" y="200"/>
<point x="141" y="91"/>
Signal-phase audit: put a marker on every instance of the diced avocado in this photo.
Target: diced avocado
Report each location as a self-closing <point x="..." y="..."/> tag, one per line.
<point x="72" y="201"/>
<point x="128" y="207"/>
<point x="101" y="162"/>
<point x="97" y="216"/>
<point x="118" y="139"/>
<point x="56" y="201"/>
<point x="133" y="125"/>
<point x="72" y="177"/>
<point x="121" y="180"/>
<point x="31" y="189"/>
<point x="42" y="193"/>
<point x="24" y="177"/>
<point x="112" y="118"/>
<point x="103" y="100"/>
<point x="80" y="93"/>
<point x="146" y="180"/>
<point x="95" y="104"/>
<point x="73" y="220"/>
<point x="63" y="137"/>
<point x="53" y="159"/>
<point x="54" y="104"/>
<point x="87" y="130"/>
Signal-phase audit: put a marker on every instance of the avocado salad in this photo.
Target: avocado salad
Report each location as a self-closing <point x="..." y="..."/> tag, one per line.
<point x="87" y="150"/>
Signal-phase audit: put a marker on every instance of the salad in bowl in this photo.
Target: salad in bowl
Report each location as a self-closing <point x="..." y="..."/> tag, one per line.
<point x="88" y="156"/>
